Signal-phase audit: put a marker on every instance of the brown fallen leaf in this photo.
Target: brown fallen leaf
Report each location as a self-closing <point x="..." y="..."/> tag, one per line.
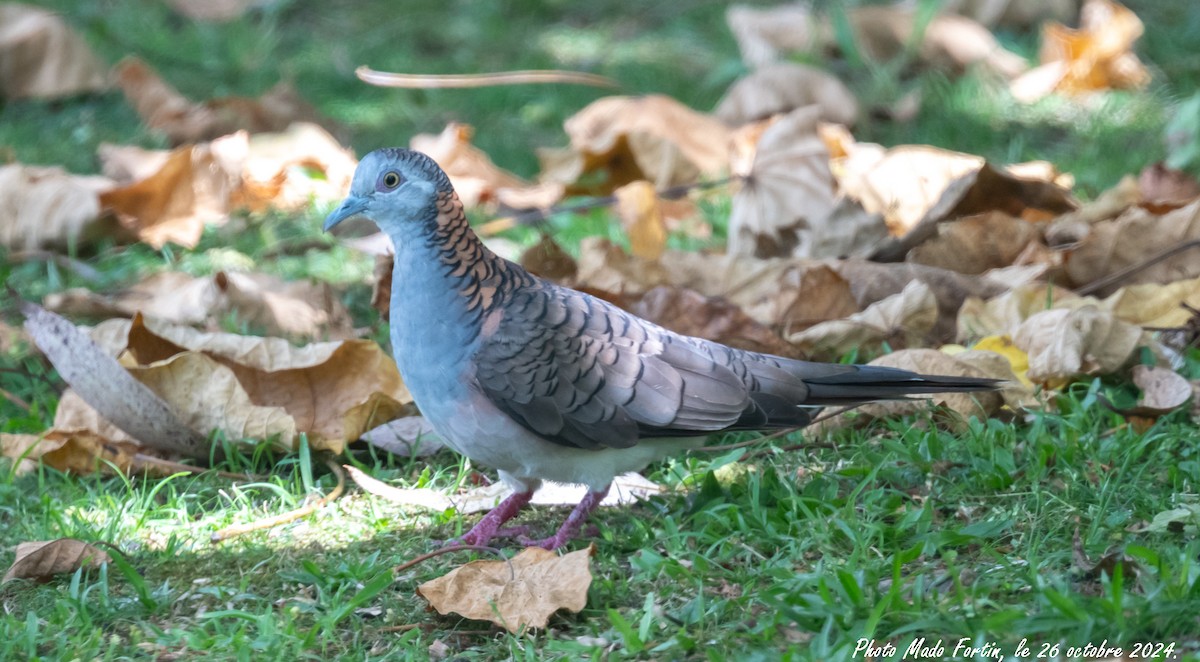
<point x="1155" y="305"/>
<point x="1003" y="314"/>
<point x="1134" y="237"/>
<point x="78" y="451"/>
<point x="1163" y="188"/>
<point x="642" y="219"/>
<point x="1064" y="343"/>
<point x="975" y="244"/>
<point x="649" y="137"/>
<point x="49" y="207"/>
<point x="298" y="309"/>
<point x="782" y="87"/>
<point x="475" y="177"/>
<point x="786" y="194"/>
<point x="691" y="313"/>
<point x="193" y="187"/>
<point x="1096" y="56"/>
<point x="43" y="57"/>
<point x="162" y="108"/>
<point x="520" y="593"/>
<point x="1163" y="390"/>
<point x="947" y="42"/>
<point x="291" y="169"/>
<point x="900" y="320"/>
<point x="42" y="560"/>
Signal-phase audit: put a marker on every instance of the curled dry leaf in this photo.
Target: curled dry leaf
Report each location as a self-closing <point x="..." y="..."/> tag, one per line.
<point x="48" y="207"/>
<point x="163" y="108"/>
<point x="642" y="218"/>
<point x="649" y="137"/>
<point x="782" y="87"/>
<point x="475" y="177"/>
<point x="1163" y="188"/>
<point x="520" y="593"/>
<point x="278" y="307"/>
<point x="901" y="320"/>
<point x="691" y="313"/>
<point x="786" y="193"/>
<point x="42" y="560"/>
<point x="1097" y="56"/>
<point x="1154" y="305"/>
<point x="1163" y="390"/>
<point x="1133" y="238"/>
<point x="975" y="244"/>
<point x="290" y="169"/>
<point x="79" y="451"/>
<point x="948" y="43"/>
<point x="42" y="57"/>
<point x="1065" y="343"/>
<point x="193" y="187"/>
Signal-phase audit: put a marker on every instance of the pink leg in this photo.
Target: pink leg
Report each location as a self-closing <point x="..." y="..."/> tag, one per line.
<point x="574" y="523"/>
<point x="486" y="529"/>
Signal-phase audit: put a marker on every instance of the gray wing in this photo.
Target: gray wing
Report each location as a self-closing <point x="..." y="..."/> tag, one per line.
<point x="581" y="372"/>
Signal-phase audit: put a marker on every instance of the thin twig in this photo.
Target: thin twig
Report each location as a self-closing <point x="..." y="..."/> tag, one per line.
<point x="778" y="433"/>
<point x="1121" y="275"/>
<point x="291" y="516"/>
<point x="446" y="550"/>
<point x="15" y="399"/>
<point x="457" y="81"/>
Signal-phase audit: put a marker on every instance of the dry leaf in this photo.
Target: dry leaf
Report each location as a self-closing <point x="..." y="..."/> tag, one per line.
<point x="193" y="187"/>
<point x="1163" y="390"/>
<point x="108" y="387"/>
<point x="786" y="193"/>
<point x="638" y="209"/>
<point x="1097" y="56"/>
<point x="163" y="108"/>
<point x="1154" y="305"/>
<point x="783" y="87"/>
<point x="79" y="451"/>
<point x="1018" y="361"/>
<point x="901" y="320"/>
<point x="1164" y="188"/>
<point x="48" y="207"/>
<point x="947" y="42"/>
<point x="691" y="313"/>
<point x="42" y="560"/>
<point x="292" y="169"/>
<point x="1131" y="239"/>
<point x="126" y="164"/>
<point x="628" y="138"/>
<point x="1064" y="343"/>
<point x="1003" y="314"/>
<point x="975" y="244"/>
<point x="290" y="308"/>
<point x="42" y="57"/>
<point x="520" y="593"/>
<point x="476" y="179"/>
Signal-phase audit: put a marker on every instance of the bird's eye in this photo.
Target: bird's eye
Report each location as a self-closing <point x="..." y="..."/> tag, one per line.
<point x="390" y="180"/>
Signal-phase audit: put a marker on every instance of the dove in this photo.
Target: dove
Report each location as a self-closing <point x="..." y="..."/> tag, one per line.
<point x="543" y="382"/>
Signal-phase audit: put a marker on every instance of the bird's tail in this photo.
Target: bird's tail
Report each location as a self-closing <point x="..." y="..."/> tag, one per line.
<point x="862" y="383"/>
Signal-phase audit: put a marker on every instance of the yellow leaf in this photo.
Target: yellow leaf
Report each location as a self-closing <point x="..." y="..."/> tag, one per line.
<point x="1003" y="345"/>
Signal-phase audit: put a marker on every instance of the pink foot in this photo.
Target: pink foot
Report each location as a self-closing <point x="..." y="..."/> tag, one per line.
<point x="571" y="527"/>
<point x="488" y="527"/>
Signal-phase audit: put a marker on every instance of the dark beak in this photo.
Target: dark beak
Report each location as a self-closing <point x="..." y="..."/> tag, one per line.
<point x="351" y="206"/>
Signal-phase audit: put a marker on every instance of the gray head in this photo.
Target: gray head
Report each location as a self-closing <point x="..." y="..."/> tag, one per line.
<point x="392" y="186"/>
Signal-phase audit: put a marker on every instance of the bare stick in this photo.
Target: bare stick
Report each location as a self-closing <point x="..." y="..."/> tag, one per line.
<point x="1121" y="275"/>
<point x="291" y="516"/>
<point x="446" y="550"/>
<point x="442" y="81"/>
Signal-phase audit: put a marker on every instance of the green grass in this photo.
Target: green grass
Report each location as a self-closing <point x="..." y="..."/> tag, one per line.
<point x="894" y="532"/>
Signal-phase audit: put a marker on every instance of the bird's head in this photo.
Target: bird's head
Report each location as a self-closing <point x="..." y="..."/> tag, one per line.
<point x="392" y="187"/>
